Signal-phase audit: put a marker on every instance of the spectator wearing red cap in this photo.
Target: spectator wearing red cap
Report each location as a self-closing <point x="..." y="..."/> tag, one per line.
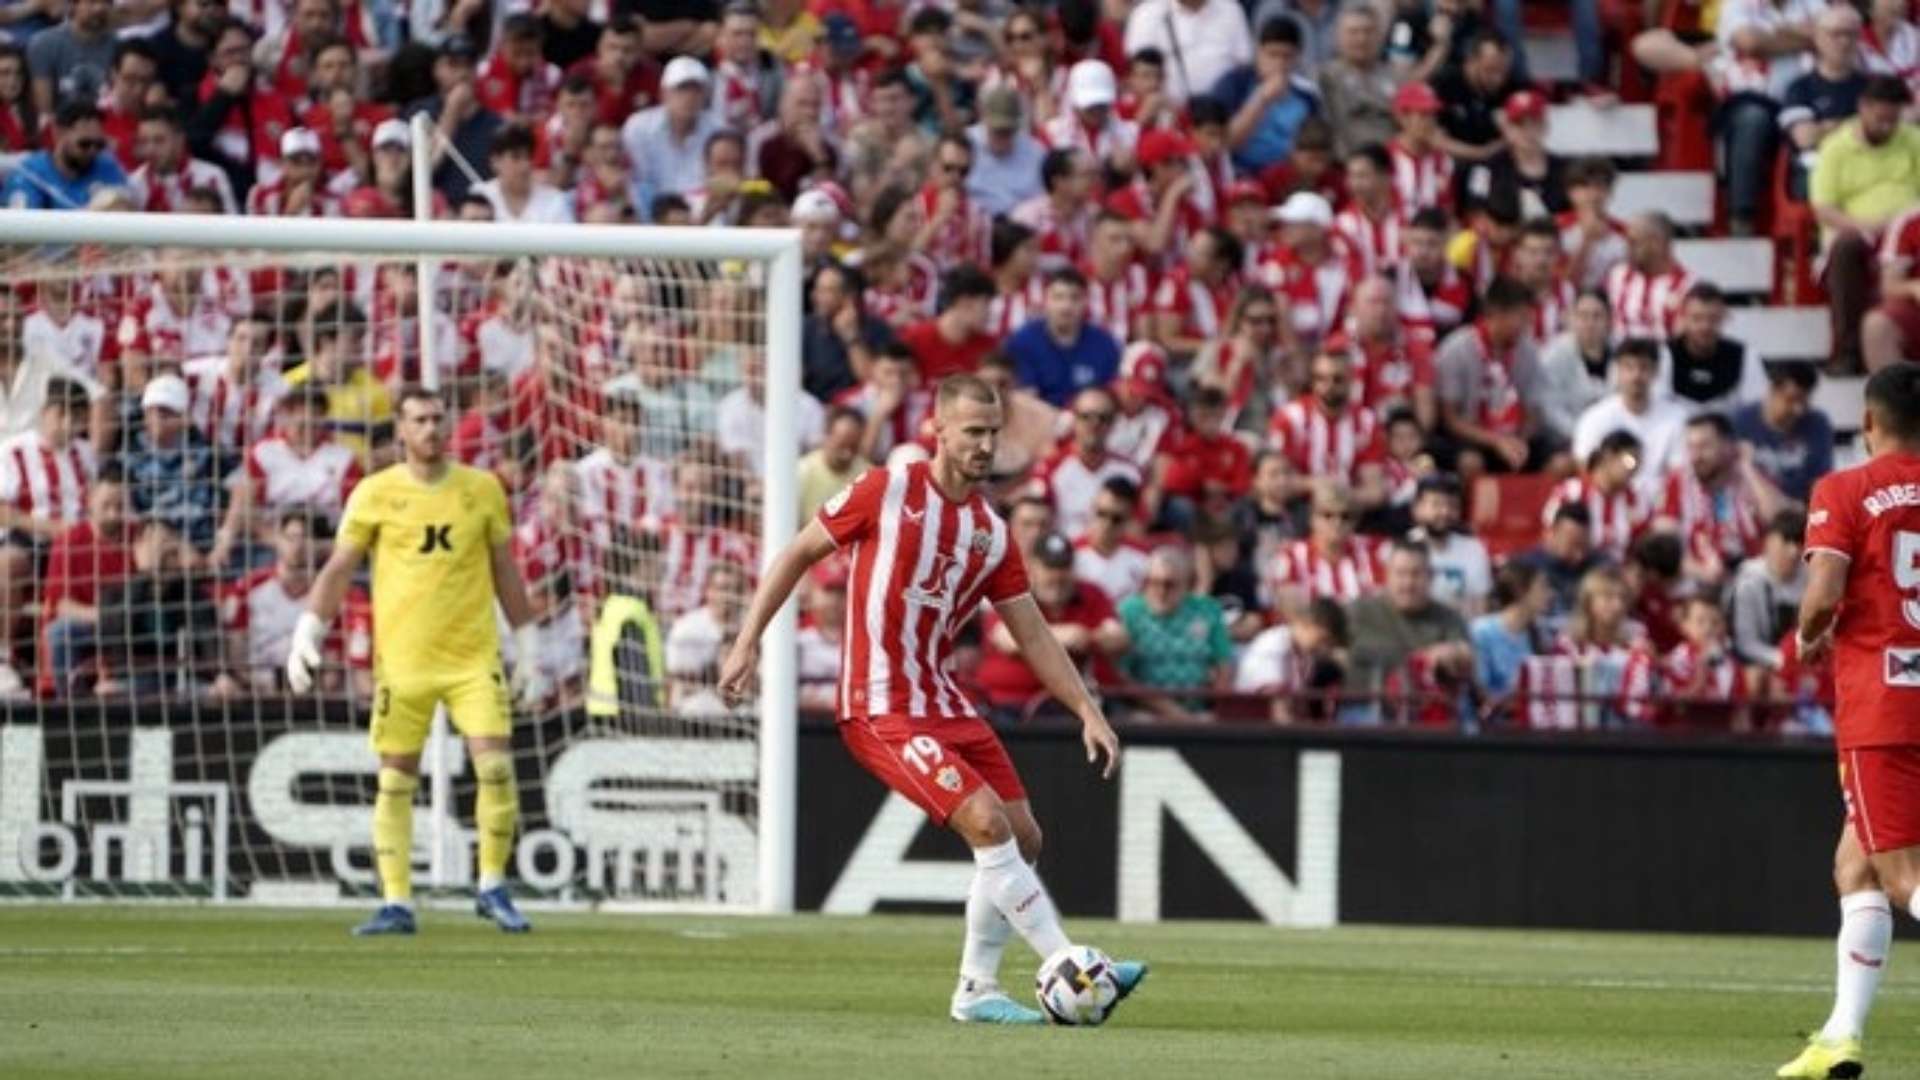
<point x="1487" y="373"/>
<point x="1062" y="215"/>
<point x="1146" y="415"/>
<point x="1357" y="85"/>
<point x="1313" y="269"/>
<point x="1422" y="168"/>
<point x="1471" y="95"/>
<point x="1081" y="618"/>
<point x="1160" y="202"/>
<point x="1268" y="99"/>
<point x="1191" y="303"/>
<point x="1392" y="368"/>
<point x="1089" y="123"/>
<point x="1083" y="462"/>
<point x="1059" y="352"/>
<point x="1243" y="213"/>
<point x="1372" y="217"/>
<point x="1325" y="433"/>
<point x="1522" y="167"/>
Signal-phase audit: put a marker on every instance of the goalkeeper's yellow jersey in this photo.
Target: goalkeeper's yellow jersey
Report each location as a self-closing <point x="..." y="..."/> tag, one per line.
<point x="430" y="546"/>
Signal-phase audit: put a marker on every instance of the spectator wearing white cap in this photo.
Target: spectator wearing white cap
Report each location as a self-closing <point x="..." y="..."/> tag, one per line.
<point x="1313" y="269"/>
<point x="172" y="474"/>
<point x="1268" y="99"/>
<point x="1089" y="122"/>
<point x="817" y="217"/>
<point x="297" y="191"/>
<point x="1006" y="156"/>
<point x="667" y="143"/>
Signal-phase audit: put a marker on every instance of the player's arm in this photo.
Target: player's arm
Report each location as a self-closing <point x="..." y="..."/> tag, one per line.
<point x="511" y="590"/>
<point x="1826" y="585"/>
<point x="809" y="547"/>
<point x="323" y="603"/>
<point x="1055" y="670"/>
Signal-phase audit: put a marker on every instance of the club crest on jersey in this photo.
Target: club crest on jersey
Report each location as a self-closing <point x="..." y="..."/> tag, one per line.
<point x="948" y="777"/>
<point x="981" y="542"/>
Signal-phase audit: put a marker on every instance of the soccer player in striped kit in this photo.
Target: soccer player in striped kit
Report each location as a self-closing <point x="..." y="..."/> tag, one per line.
<point x="926" y="549"/>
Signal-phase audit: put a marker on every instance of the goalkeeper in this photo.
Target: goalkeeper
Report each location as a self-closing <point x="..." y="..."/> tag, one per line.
<point x="438" y="533"/>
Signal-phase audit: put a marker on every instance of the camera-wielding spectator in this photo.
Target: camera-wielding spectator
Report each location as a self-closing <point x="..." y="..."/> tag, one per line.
<point x="1081" y="618"/>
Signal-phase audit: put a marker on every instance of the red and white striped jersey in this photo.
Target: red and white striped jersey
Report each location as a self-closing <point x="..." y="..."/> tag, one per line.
<point x="283" y="477"/>
<point x="500" y="347"/>
<point x="509" y="93"/>
<point x="543" y="551"/>
<point x="260" y="607"/>
<point x="230" y="415"/>
<point x="1111" y="142"/>
<point x="1115" y="304"/>
<point x="1618" y="519"/>
<point x="921" y="565"/>
<point x="1070" y="483"/>
<point x="1723" y="521"/>
<point x="1355" y="571"/>
<point x="1318" y="444"/>
<point x="75" y="343"/>
<point x="1139" y="437"/>
<point x="737" y="99"/>
<point x="1135" y="202"/>
<point x="904" y="425"/>
<point x="1120" y="573"/>
<point x="1431" y="314"/>
<point x="688" y="552"/>
<point x="166" y="193"/>
<point x="1386" y="372"/>
<point x="270" y="200"/>
<point x="1008" y="312"/>
<point x="910" y="298"/>
<point x="1602" y="256"/>
<point x="623" y="495"/>
<point x="153" y="326"/>
<point x="967" y="235"/>
<point x="1375" y="241"/>
<point x="1552" y="306"/>
<point x="1421" y="180"/>
<point x="1064" y="240"/>
<point x="1313" y="296"/>
<point x="1896" y="54"/>
<point x="1646" y="305"/>
<point x="45" y="482"/>
<point x="1202" y="308"/>
<point x="1587" y="685"/>
<point x="1692" y="675"/>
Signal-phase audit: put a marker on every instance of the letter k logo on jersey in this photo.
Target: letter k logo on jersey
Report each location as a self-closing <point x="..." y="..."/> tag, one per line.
<point x="438" y="538"/>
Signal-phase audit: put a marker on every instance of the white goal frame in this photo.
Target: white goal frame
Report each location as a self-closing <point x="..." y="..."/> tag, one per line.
<point x="777" y="249"/>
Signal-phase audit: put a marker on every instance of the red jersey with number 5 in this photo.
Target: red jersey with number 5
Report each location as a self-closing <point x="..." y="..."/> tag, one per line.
<point x="921" y="564"/>
<point x="1870" y="515"/>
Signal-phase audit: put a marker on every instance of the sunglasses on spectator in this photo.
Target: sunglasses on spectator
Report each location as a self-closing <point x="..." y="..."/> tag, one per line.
<point x="955" y="168"/>
<point x="90" y="144"/>
<point x="1095" y="417"/>
<point x="1116" y="516"/>
<point x="1337" y="515"/>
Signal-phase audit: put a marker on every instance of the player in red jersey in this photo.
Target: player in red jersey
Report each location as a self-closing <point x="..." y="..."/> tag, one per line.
<point x="1862" y="603"/>
<point x="926" y="549"/>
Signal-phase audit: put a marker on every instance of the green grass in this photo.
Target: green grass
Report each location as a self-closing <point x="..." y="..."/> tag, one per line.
<point x="193" y="992"/>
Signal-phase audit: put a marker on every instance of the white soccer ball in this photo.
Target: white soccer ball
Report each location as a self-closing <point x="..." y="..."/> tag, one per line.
<point x="1076" y="986"/>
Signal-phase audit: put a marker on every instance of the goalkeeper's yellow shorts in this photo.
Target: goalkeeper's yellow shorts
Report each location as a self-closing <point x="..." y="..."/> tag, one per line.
<point x="478" y="703"/>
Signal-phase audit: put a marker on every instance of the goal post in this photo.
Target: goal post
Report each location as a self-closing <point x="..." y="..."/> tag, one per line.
<point x="765" y="263"/>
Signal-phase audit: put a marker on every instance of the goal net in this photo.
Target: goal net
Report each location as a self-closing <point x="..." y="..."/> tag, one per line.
<point x="220" y="385"/>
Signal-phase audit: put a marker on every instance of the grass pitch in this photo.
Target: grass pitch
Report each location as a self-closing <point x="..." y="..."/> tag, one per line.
<point x="194" y="992"/>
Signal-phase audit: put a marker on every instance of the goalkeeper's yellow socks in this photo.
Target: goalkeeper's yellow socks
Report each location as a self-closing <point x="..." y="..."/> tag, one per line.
<point x="393" y="834"/>
<point x="496" y="810"/>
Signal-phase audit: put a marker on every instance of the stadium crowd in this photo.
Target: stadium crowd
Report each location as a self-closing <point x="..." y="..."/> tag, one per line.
<point x="1277" y="293"/>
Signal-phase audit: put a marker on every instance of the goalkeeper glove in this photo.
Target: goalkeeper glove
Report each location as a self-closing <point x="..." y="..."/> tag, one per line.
<point x="303" y="657"/>
<point x="529" y="685"/>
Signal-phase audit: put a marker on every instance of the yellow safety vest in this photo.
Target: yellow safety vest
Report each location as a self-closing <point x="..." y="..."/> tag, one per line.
<point x="603" y="676"/>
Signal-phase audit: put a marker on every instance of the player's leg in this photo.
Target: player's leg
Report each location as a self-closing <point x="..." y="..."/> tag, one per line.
<point x="399" y="732"/>
<point x="1866" y="936"/>
<point x="482" y="711"/>
<point x="987" y="929"/>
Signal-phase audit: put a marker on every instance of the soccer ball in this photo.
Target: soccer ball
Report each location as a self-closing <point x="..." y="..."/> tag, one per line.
<point x="1075" y="986"/>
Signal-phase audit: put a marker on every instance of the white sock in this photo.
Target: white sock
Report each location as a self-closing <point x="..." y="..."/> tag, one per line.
<point x="491" y="881"/>
<point x="1015" y="889"/>
<point x="987" y="934"/>
<point x="1866" y="936"/>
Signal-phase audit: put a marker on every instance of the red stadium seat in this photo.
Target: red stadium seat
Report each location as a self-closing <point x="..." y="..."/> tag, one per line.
<point x="1796" y="235"/>
<point x="1684" y="103"/>
<point x="1504" y="511"/>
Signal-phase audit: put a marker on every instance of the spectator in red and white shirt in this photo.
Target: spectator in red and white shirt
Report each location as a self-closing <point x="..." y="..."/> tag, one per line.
<point x="298" y="466"/>
<point x="1072" y="478"/>
<point x="1247" y="358"/>
<point x="1161" y="203"/>
<point x="1891" y="332"/>
<point x="1717" y="501"/>
<point x="1108" y="554"/>
<point x="1020" y="288"/>
<point x="44" y="475"/>
<point x="90" y="554"/>
<point x="1081" y="617"/>
<point x="1119" y="289"/>
<point x="892" y="399"/>
<point x="622" y="491"/>
<point x="1062" y="217"/>
<point x="344" y="120"/>
<point x="59" y="328"/>
<point x="1147" y="416"/>
<point x="1192" y="302"/>
<point x="1430" y="293"/>
<point x="1203" y="467"/>
<point x="167" y="171"/>
<point x="186" y="310"/>
<point x="955" y="228"/>
<point x="233" y="395"/>
<point x="1422" y="171"/>
<point x="1647" y="290"/>
<point x="240" y="118"/>
<point x="1371" y="219"/>
<point x="298" y="190"/>
<point x="1487" y="377"/>
<point x="693" y="539"/>
<point x="1088" y="122"/>
<point x="1392" y="367"/>
<point x="1313" y="270"/>
<point x="516" y="81"/>
<point x="1332" y="563"/>
<point x="1536" y="264"/>
<point x="952" y="342"/>
<point x="258" y="613"/>
<point x="747" y="80"/>
<point x="625" y="79"/>
<point x="1327" y="435"/>
<point x="1614" y="507"/>
<point x="1592" y="239"/>
<point x="125" y="98"/>
<point x="1701" y="678"/>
